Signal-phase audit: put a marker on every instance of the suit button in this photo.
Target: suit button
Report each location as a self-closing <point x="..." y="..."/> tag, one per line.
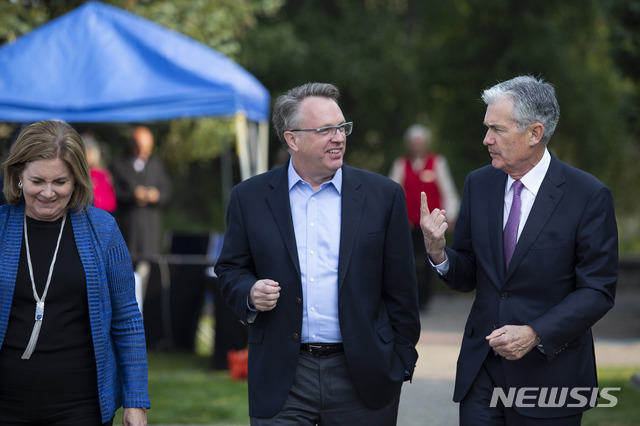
<point x="295" y="336"/>
<point x="298" y="301"/>
<point x="504" y="295"/>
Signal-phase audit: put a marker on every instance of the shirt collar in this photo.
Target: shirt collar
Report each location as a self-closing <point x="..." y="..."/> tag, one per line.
<point x="534" y="177"/>
<point x="294" y="178"/>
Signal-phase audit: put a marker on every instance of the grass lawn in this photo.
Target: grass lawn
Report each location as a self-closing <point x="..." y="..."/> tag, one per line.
<point x="627" y="410"/>
<point x="184" y="390"/>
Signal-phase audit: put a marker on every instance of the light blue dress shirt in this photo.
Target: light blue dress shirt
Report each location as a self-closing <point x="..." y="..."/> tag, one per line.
<point x="316" y="222"/>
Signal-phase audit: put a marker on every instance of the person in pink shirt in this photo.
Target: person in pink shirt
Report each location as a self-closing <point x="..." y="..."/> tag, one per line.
<point x="104" y="195"/>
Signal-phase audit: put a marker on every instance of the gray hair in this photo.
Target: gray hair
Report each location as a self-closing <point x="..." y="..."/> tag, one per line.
<point x="534" y="101"/>
<point x="417" y="130"/>
<point x="92" y="145"/>
<point x="286" y="111"/>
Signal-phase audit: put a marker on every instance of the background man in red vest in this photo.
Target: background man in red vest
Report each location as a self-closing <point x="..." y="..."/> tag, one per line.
<point x="423" y="170"/>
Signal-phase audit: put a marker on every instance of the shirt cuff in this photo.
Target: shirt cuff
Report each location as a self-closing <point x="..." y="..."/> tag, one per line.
<point x="249" y="307"/>
<point x="441" y="268"/>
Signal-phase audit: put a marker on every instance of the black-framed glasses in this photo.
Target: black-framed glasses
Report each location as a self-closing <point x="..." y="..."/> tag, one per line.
<point x="345" y="128"/>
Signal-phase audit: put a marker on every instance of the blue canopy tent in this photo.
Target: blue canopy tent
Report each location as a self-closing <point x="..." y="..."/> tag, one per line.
<point x="99" y="63"/>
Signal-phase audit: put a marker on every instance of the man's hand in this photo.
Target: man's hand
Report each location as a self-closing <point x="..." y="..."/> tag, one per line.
<point x="513" y="341"/>
<point x="433" y="227"/>
<point x="264" y="295"/>
<point x="153" y="195"/>
<point x="140" y="195"/>
<point x="134" y="417"/>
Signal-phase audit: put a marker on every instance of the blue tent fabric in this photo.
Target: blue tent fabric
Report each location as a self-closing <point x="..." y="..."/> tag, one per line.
<point x="99" y="63"/>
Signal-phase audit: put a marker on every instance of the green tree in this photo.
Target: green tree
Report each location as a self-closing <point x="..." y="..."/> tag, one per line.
<point x="398" y="62"/>
<point x="403" y="61"/>
<point x="624" y="21"/>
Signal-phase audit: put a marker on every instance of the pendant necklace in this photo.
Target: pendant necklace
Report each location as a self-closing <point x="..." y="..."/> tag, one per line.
<point x="39" y="301"/>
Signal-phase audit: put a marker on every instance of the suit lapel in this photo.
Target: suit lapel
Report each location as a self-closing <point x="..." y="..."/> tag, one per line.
<point x="352" y="206"/>
<point x="549" y="195"/>
<point x="278" y="199"/>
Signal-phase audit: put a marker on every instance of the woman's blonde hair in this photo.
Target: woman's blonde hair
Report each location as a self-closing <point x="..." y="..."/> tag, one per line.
<point x="47" y="140"/>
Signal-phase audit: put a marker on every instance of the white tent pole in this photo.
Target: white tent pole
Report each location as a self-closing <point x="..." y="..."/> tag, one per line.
<point x="242" y="145"/>
<point x="263" y="147"/>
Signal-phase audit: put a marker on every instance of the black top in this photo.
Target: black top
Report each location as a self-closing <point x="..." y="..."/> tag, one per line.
<point x="63" y="360"/>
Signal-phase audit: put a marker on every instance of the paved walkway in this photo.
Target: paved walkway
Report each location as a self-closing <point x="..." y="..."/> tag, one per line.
<point x="427" y="400"/>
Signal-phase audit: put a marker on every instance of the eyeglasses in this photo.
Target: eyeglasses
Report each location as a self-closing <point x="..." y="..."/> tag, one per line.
<point x="345" y="128"/>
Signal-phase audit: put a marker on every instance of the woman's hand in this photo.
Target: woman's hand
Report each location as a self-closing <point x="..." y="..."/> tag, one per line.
<point x="134" y="417"/>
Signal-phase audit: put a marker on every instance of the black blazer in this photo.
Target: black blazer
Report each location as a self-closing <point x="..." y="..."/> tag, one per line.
<point x="377" y="290"/>
<point x="561" y="279"/>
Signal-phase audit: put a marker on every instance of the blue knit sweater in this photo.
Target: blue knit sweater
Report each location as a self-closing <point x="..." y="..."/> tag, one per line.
<point x="116" y="323"/>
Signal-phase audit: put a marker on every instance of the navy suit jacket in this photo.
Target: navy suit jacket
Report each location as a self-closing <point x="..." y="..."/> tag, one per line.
<point x="377" y="290"/>
<point x="561" y="279"/>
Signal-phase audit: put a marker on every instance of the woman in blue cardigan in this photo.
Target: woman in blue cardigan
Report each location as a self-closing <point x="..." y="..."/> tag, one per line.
<point x="72" y="345"/>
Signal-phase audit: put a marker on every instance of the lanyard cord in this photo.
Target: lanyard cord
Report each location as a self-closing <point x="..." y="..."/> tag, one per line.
<point x="39" y="301"/>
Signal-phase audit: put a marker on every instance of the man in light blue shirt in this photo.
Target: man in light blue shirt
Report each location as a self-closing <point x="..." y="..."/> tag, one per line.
<point x="318" y="261"/>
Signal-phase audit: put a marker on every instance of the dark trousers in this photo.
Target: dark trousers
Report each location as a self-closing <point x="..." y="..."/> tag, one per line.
<point x="20" y="407"/>
<point x="475" y="407"/>
<point x="324" y="394"/>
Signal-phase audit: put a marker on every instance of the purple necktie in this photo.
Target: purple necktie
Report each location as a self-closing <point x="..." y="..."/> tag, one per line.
<point x="511" y="229"/>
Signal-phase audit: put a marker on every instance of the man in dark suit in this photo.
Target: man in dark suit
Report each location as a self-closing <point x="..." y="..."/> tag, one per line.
<point x="542" y="282"/>
<point x="142" y="187"/>
<point x="317" y="260"/>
